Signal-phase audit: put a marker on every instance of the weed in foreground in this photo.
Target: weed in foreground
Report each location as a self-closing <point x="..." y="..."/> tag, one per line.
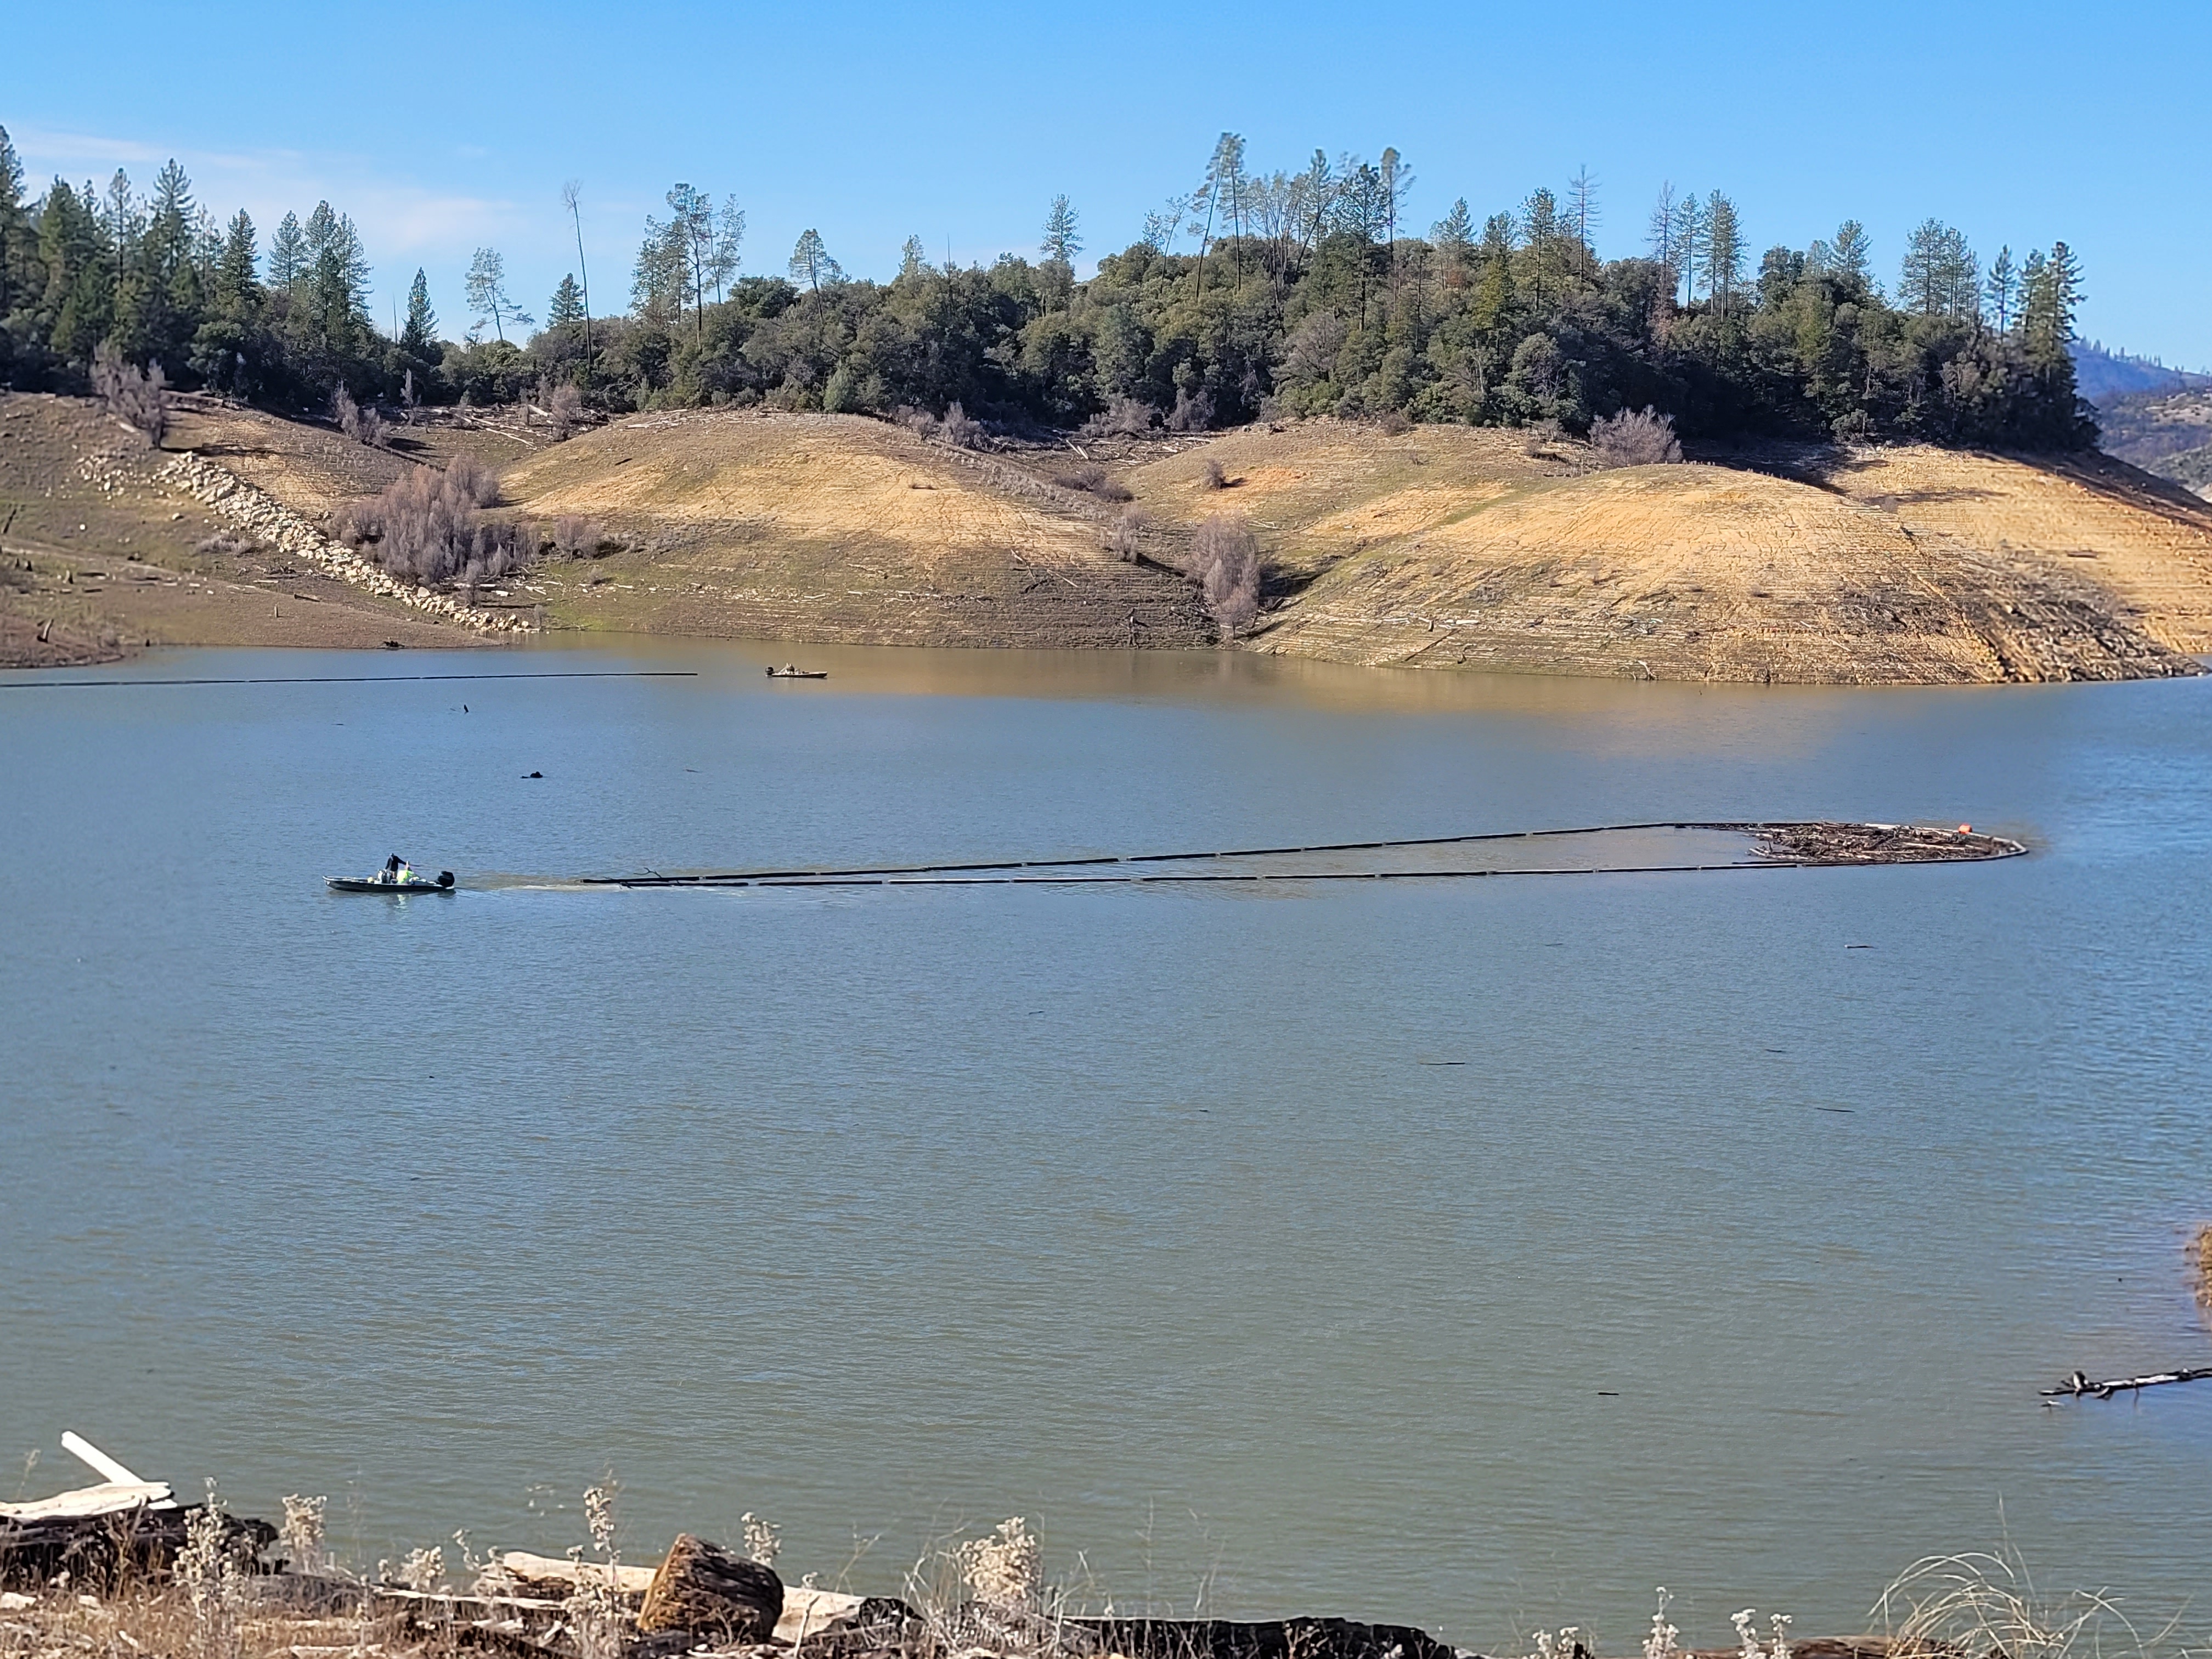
<point x="595" y="1610"/>
<point x="1983" y="1604"/>
<point x="208" y="1572"/>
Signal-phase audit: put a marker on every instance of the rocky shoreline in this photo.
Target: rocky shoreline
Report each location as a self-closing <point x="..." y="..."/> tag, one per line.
<point x="262" y="515"/>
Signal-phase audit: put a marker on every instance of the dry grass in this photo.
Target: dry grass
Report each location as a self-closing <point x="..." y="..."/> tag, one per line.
<point x="1437" y="547"/>
<point x="1966" y="1606"/>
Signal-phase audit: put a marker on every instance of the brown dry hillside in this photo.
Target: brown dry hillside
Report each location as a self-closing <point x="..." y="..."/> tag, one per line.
<point x="1448" y="547"/>
<point x="99" y="558"/>
<point x="831" y="527"/>
<point x="1440" y="547"/>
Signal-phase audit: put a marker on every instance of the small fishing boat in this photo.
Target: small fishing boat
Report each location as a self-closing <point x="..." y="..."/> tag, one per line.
<point x="380" y="884"/>
<point x="787" y="672"/>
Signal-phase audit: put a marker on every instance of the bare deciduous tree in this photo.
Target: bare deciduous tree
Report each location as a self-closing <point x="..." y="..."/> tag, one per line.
<point x="425" y="527"/>
<point x="1635" y="437"/>
<point x="1225" y="565"/>
<point x="362" y="425"/>
<point x="138" y="397"/>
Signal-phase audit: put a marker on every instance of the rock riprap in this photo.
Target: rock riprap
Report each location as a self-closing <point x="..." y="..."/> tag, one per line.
<point x="269" y="520"/>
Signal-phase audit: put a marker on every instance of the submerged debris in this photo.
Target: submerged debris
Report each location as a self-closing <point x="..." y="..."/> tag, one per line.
<point x="1825" y="842"/>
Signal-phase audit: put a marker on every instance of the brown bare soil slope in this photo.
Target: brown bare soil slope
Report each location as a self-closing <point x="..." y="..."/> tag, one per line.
<point x="2141" y="539"/>
<point x="1440" y="547"/>
<point x="98" y="559"/>
<point x="835" y="528"/>
<point x="1447" y="547"/>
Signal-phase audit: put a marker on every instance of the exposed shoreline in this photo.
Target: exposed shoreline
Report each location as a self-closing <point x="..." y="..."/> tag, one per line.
<point x="1442" y="548"/>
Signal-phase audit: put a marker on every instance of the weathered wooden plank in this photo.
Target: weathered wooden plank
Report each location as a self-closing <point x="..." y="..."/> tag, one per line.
<point x="98" y="1461"/>
<point x="86" y="1502"/>
<point x="552" y="1570"/>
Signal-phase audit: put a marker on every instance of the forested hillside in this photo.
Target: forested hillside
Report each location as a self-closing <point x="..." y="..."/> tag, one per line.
<point x="1257" y="295"/>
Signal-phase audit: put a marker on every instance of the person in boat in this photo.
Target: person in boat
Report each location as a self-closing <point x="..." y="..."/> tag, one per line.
<point x="396" y="873"/>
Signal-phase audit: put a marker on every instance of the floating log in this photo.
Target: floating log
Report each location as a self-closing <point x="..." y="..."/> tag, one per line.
<point x="2079" y="1384"/>
<point x="703" y="1588"/>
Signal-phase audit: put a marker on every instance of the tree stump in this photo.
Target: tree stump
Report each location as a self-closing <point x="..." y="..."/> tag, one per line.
<point x="703" y="1586"/>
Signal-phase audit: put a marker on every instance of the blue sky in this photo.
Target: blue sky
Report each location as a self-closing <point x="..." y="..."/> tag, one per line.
<point x="442" y="127"/>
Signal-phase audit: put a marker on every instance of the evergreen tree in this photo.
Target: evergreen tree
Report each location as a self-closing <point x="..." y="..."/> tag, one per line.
<point x="289" y="260"/>
<point x="1850" y="257"/>
<point x="810" y="264"/>
<point x="14" y="227"/>
<point x="232" y="288"/>
<point x="729" y="242"/>
<point x="1940" y="277"/>
<point x="691" y="228"/>
<point x="567" y="308"/>
<point x="1453" y="237"/>
<point x="1690" y="242"/>
<point x="228" y="341"/>
<point x="914" y="258"/>
<point x="2001" y="289"/>
<point x="658" y="279"/>
<point x="1723" y="249"/>
<point x="1061" y="241"/>
<point x="1660" y="230"/>
<point x="78" y="296"/>
<point x="487" y="290"/>
<point x="418" y="336"/>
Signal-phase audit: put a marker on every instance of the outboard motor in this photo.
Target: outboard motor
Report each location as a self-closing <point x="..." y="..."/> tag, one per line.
<point x="445" y="879"/>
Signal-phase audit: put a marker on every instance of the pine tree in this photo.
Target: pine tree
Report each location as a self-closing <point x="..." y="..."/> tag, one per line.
<point x="79" y="291"/>
<point x="2001" y="288"/>
<point x="914" y="258"/>
<point x="566" y="308"/>
<point x="235" y="286"/>
<point x="1582" y="206"/>
<point x="691" y="229"/>
<point x="1660" y="229"/>
<point x="487" y="292"/>
<point x="1941" y="276"/>
<point x="336" y="287"/>
<point x="810" y="264"/>
<point x="419" y="334"/>
<point x="14" y="227"/>
<point x="287" y="253"/>
<point x="1454" y="238"/>
<point x="1723" y="249"/>
<point x="1690" y="242"/>
<point x="1850" y="257"/>
<point x="729" y="243"/>
<point x="1540" y="225"/>
<point x="2051" y="292"/>
<point x="1061" y="241"/>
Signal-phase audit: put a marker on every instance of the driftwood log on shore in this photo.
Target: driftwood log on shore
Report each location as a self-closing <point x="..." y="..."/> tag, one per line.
<point x="112" y="1546"/>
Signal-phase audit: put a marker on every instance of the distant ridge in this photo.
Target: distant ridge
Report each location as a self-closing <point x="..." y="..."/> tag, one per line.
<point x="2101" y="373"/>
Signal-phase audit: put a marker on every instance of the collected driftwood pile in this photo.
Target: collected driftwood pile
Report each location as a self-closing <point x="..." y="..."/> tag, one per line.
<point x="124" y="1528"/>
<point x="1879" y="843"/>
<point x="128" y="1540"/>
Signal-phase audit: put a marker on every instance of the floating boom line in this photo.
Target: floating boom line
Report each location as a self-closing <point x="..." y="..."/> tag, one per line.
<point x="1785" y="844"/>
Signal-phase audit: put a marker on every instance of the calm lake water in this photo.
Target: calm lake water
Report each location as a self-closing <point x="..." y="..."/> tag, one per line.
<point x="1475" y="1253"/>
